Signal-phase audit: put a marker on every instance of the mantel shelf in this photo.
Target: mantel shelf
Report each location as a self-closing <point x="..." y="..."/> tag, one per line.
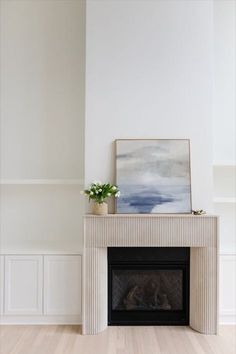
<point x="151" y="216"/>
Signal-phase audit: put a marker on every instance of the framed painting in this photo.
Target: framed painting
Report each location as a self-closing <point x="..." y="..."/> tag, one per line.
<point x="153" y="176"/>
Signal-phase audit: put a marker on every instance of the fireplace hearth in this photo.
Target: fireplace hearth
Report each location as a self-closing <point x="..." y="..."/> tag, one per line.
<point x="148" y="285"/>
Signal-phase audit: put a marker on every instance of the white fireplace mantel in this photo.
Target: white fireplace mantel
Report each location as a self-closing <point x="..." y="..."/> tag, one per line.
<point x="200" y="233"/>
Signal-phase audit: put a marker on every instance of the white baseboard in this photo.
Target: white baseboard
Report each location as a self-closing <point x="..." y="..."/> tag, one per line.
<point x="40" y="320"/>
<point x="228" y="317"/>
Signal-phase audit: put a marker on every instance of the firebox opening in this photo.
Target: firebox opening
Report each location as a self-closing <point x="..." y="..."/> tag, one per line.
<point x="148" y="285"/>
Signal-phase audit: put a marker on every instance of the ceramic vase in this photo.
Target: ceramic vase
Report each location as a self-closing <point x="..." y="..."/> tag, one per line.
<point x="100" y="209"/>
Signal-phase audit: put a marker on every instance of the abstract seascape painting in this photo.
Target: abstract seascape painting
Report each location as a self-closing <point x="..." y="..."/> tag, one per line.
<point x="153" y="176"/>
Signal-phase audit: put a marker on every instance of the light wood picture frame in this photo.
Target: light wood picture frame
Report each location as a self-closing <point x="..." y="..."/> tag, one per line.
<point x="153" y="176"/>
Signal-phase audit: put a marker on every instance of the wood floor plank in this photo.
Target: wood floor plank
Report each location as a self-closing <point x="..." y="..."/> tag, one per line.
<point x="115" y="340"/>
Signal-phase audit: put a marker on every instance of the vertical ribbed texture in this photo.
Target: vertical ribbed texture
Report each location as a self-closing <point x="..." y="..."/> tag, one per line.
<point x="104" y="231"/>
<point x="95" y="291"/>
<point x="203" y="290"/>
<point x="198" y="232"/>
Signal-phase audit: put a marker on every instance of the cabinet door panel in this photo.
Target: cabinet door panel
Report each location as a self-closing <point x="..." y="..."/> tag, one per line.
<point x="62" y="287"/>
<point x="228" y="285"/>
<point x="23" y="285"/>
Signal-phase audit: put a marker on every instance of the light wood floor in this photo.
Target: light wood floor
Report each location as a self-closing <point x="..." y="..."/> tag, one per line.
<point x="115" y="340"/>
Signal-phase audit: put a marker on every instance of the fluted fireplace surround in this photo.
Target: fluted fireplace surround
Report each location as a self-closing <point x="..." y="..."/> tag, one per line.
<point x="200" y="233"/>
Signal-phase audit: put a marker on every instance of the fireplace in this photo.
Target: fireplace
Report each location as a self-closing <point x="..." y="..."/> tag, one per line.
<point x="198" y="233"/>
<point x="148" y="285"/>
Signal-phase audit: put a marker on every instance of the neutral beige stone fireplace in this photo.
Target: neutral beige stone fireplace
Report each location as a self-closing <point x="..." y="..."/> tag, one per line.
<point x="200" y="233"/>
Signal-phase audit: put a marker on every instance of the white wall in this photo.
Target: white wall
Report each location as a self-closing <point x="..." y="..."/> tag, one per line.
<point x="42" y="89"/>
<point x="42" y="122"/>
<point x="41" y="217"/>
<point x="149" y="75"/>
<point x="224" y="124"/>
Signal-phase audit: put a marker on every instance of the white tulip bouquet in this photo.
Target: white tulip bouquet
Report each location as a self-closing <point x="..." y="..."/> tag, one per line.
<point x="99" y="192"/>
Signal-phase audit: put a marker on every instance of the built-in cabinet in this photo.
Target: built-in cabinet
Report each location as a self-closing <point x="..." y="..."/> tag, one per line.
<point x="42" y="163"/>
<point x="40" y="285"/>
<point x="225" y="207"/>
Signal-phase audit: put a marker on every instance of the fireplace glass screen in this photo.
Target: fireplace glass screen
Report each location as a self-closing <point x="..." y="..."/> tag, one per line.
<point x="148" y="285"/>
<point x="147" y="290"/>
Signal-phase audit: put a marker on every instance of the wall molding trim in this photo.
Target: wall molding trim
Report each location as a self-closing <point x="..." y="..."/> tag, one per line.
<point x="41" y="320"/>
<point x="228" y="317"/>
<point x="65" y="181"/>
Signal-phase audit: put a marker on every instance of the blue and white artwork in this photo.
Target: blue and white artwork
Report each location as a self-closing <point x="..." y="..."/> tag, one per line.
<point x="153" y="176"/>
